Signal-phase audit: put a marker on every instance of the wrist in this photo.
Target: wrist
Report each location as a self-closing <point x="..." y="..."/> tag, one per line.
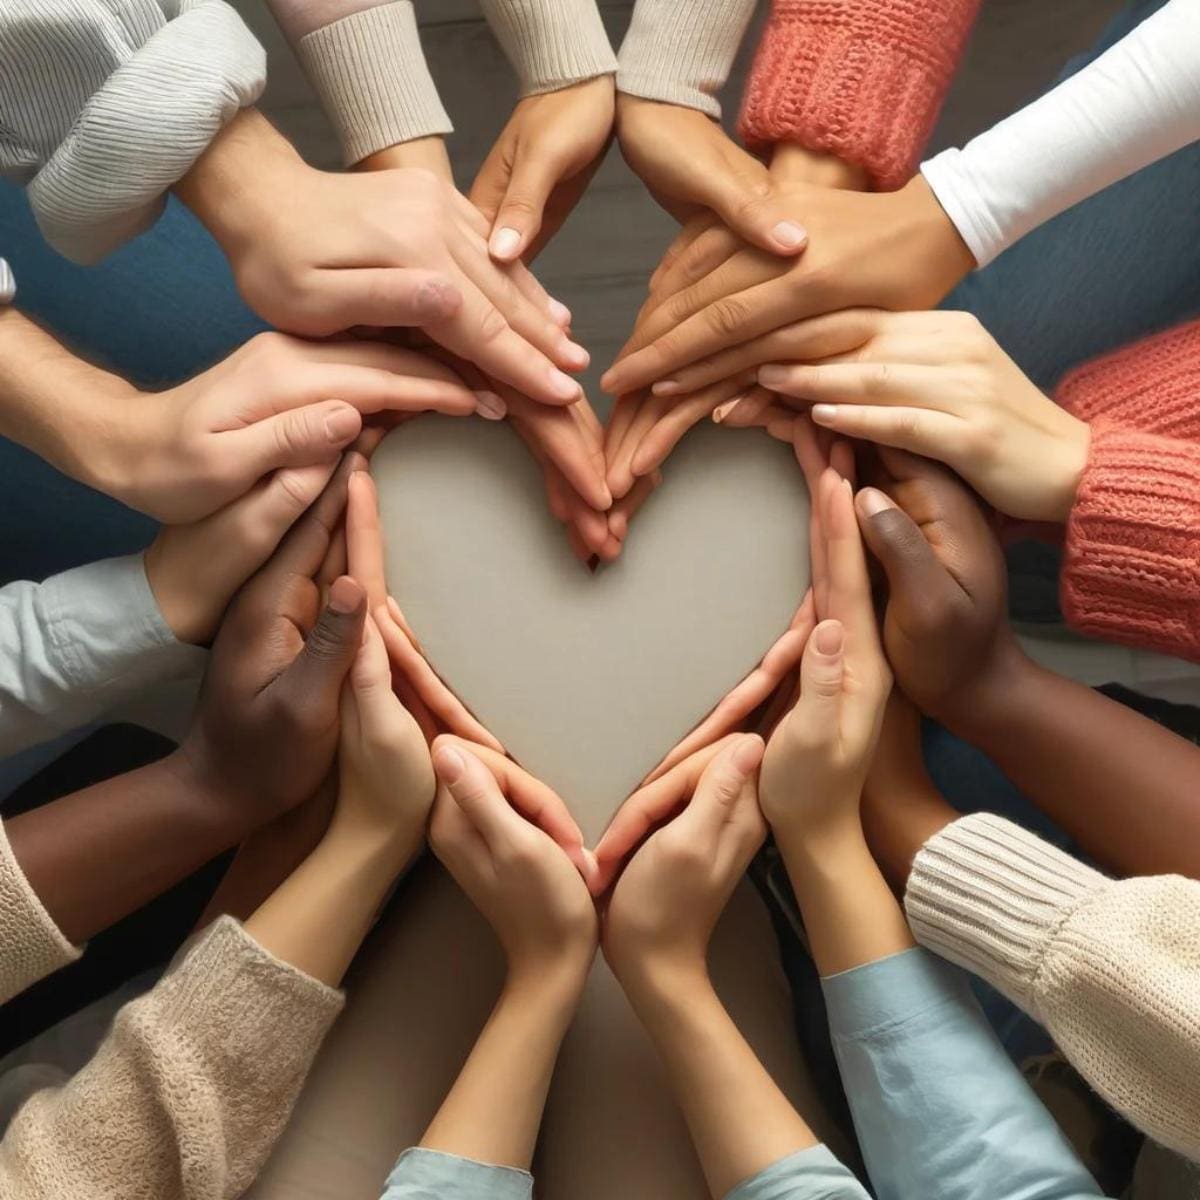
<point x="655" y="982"/>
<point x="793" y="163"/>
<point x="1069" y="458"/>
<point x="939" y="247"/>
<point x="970" y="712"/>
<point x="553" y="988"/>
<point x="423" y="154"/>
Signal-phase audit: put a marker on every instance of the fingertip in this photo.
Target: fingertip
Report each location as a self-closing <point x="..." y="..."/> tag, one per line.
<point x="449" y="762"/>
<point x="505" y="244"/>
<point x="829" y="637"/>
<point x="870" y="502"/>
<point x="747" y="753"/>
<point x="788" y="237"/>
<point x="346" y="595"/>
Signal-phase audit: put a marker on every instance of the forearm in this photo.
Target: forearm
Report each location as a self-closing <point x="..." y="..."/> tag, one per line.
<point x="739" y="1120"/>
<point x="101" y="853"/>
<point x="850" y="914"/>
<point x="1121" y="785"/>
<point x="493" y="1111"/>
<point x="317" y="918"/>
<point x="899" y="816"/>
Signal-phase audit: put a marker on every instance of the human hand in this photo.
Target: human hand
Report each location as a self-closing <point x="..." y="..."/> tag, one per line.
<point x="276" y="402"/>
<point x="386" y="777"/>
<point x="945" y="628"/>
<point x="666" y="903"/>
<point x="316" y="253"/>
<point x="894" y="250"/>
<point x="818" y="756"/>
<point x="489" y="830"/>
<point x="934" y="383"/>
<point x="541" y="163"/>
<point x="267" y="721"/>
<point x="690" y="165"/>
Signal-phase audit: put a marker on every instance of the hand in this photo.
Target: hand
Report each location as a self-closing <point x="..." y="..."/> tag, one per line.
<point x="387" y="782"/>
<point x="818" y="756"/>
<point x="540" y="165"/>
<point x="894" y="250"/>
<point x="514" y="872"/>
<point x="689" y="164"/>
<point x="666" y="903"/>
<point x="267" y="722"/>
<point x="275" y="402"/>
<point x="935" y="383"/>
<point x="317" y="253"/>
<point x="945" y="628"/>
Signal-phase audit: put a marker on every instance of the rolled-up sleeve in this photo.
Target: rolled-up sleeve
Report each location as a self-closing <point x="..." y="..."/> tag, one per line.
<point x="422" y="1174"/>
<point x="812" y="1174"/>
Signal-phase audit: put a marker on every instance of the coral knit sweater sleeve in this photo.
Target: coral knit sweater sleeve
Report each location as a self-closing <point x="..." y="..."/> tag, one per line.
<point x="1131" y="565"/>
<point x="861" y="79"/>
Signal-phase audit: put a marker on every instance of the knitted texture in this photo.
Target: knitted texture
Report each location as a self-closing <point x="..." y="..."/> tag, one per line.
<point x="861" y="79"/>
<point x="551" y="43"/>
<point x="678" y="52"/>
<point x="189" y="1090"/>
<point x="1112" y="969"/>
<point x="1131" y="565"/>
<point x="31" y="946"/>
<point x="103" y="107"/>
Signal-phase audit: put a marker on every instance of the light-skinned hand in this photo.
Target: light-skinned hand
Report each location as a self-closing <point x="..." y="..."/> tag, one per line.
<point x="541" y="164"/>
<point x="488" y="829"/>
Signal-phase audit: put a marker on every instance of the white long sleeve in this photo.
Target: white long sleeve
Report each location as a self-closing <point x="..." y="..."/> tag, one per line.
<point x="1136" y="103"/>
<point x="106" y="104"/>
<point x="76" y="645"/>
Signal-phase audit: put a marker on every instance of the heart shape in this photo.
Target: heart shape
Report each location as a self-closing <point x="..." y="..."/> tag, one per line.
<point x="588" y="679"/>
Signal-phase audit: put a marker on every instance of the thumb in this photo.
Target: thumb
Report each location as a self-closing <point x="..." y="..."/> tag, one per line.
<point x="520" y="215"/>
<point x="475" y="791"/>
<point x="720" y="787"/>
<point x="747" y="201"/>
<point x="821" y="672"/>
<point x="313" y="682"/>
<point x="913" y="571"/>
<point x="300" y="437"/>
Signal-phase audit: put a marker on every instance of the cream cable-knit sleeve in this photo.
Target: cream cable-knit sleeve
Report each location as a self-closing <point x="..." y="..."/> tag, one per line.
<point x="1111" y="968"/>
<point x="103" y="107"/>
<point x="31" y="944"/>
<point x="681" y="51"/>
<point x="551" y="43"/>
<point x="187" y="1093"/>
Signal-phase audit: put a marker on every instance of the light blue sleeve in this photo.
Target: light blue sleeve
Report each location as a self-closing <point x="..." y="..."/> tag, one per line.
<point x="941" y="1111"/>
<point x="421" y="1174"/>
<point x="812" y="1174"/>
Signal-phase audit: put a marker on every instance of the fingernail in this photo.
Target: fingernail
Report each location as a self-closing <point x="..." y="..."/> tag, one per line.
<point x="559" y="312"/>
<point x="772" y="375"/>
<point x="871" y="501"/>
<point x="450" y="764"/>
<point x="827" y="637"/>
<point x="575" y="354"/>
<point x="747" y="754"/>
<point x="344" y="595"/>
<point x="490" y="406"/>
<point x="342" y="425"/>
<point x="723" y="410"/>
<point x="789" y="234"/>
<point x="562" y="385"/>
<point x="665" y="387"/>
<point x="505" y="243"/>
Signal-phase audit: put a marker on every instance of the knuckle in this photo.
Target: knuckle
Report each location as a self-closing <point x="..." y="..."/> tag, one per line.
<point x="492" y="324"/>
<point x="878" y="379"/>
<point x="727" y="316"/>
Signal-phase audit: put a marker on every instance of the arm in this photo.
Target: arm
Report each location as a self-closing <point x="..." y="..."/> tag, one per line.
<point x="862" y="81"/>
<point x="928" y="1083"/>
<point x="81" y="108"/>
<point x="1136" y="103"/>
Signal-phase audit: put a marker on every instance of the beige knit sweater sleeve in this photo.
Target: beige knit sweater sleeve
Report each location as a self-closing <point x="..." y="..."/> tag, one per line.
<point x="189" y="1090"/>
<point x="1111" y="968"/>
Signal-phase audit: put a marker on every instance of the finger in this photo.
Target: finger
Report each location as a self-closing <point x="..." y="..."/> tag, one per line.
<point x="364" y="538"/>
<point x="914" y="573"/>
<point x="569" y="440"/>
<point x="849" y="582"/>
<point x="649" y="412"/>
<point x="919" y="430"/>
<point x="621" y="515"/>
<point x="747" y="200"/>
<point x="693" y="229"/>
<point x="720" y="789"/>
<point x="384" y="296"/>
<point x="476" y="792"/>
<point x="371" y="678"/>
<point x="855" y="382"/>
<point x="679" y="415"/>
<point x="334" y="564"/>
<point x="299" y="437"/>
<point x="519" y="219"/>
<point x="693" y="260"/>
<point x="822" y="672"/>
<point x="312" y="683"/>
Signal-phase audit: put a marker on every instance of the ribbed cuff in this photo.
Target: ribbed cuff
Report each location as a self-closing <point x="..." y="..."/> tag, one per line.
<point x="861" y="79"/>
<point x="680" y="53"/>
<point x="1132" y="542"/>
<point x="141" y="132"/>
<point x="551" y="43"/>
<point x="990" y="896"/>
<point x="31" y="944"/>
<point x="370" y="73"/>
<point x="451" y="1177"/>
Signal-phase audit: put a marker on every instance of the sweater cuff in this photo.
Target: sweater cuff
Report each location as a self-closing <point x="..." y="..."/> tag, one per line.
<point x="143" y="129"/>
<point x="551" y="44"/>
<point x="988" y="895"/>
<point x="682" y="54"/>
<point x="31" y="944"/>
<point x="1131" y="565"/>
<point x="370" y="73"/>
<point x="860" y="79"/>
